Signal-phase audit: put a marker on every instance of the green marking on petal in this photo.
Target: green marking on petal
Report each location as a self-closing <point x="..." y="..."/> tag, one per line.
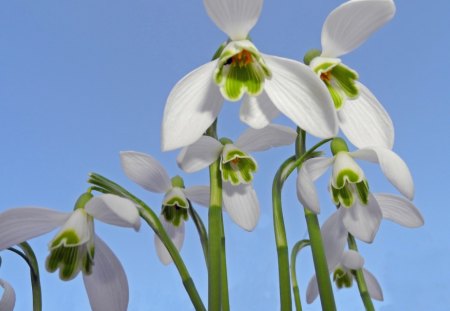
<point x="67" y="238"/>
<point x="345" y="78"/>
<point x="342" y="278"/>
<point x="237" y="166"/>
<point x="337" y="96"/>
<point x="362" y="189"/>
<point x="346" y="175"/>
<point x="178" y="201"/>
<point x="324" y="67"/>
<point x="175" y="214"/>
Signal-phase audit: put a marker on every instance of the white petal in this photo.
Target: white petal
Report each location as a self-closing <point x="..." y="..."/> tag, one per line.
<point x="114" y="210"/>
<point x="313" y="290"/>
<point x="192" y="106"/>
<point x="362" y="221"/>
<point x="273" y="135"/>
<point x="8" y="298"/>
<point x="242" y="205"/>
<point x="373" y="286"/>
<point x="234" y="17"/>
<point x="365" y="122"/>
<point x="198" y="194"/>
<point x="349" y="25"/>
<point x="145" y="170"/>
<point x="334" y="235"/>
<point x="107" y="286"/>
<point x="392" y="166"/>
<point x="200" y="154"/>
<point x="80" y="224"/>
<point x="21" y="224"/>
<point x="399" y="210"/>
<point x="352" y="260"/>
<point x="176" y="234"/>
<point x="300" y="95"/>
<point x="258" y="111"/>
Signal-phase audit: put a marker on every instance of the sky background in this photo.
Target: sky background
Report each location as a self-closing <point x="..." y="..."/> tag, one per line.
<point x="82" y="80"/>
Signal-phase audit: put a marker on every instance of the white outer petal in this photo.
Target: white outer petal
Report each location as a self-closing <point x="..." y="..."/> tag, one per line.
<point x="241" y="203"/>
<point x="309" y="172"/>
<point x="198" y="194"/>
<point x="145" y="170"/>
<point x="273" y="135"/>
<point x="114" y="210"/>
<point x="200" y="154"/>
<point x="258" y="111"/>
<point x="107" y="286"/>
<point x="300" y="95"/>
<point x="373" y="286"/>
<point x="176" y="234"/>
<point x="352" y="260"/>
<point x="21" y="224"/>
<point x="8" y="300"/>
<point x="334" y="236"/>
<point x="392" y="166"/>
<point x="312" y="291"/>
<point x="365" y="122"/>
<point x="350" y="24"/>
<point x="399" y="210"/>
<point x="234" y="17"/>
<point x="192" y="106"/>
<point x="362" y="221"/>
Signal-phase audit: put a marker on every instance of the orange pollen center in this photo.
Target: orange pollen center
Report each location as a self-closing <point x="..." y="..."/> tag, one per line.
<point x="326" y="76"/>
<point x="235" y="161"/>
<point x="242" y="59"/>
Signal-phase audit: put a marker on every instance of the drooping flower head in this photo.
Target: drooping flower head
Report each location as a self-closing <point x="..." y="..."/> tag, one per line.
<point x="268" y="84"/>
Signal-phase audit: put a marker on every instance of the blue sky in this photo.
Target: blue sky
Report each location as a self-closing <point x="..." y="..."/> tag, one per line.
<point x="82" y="80"/>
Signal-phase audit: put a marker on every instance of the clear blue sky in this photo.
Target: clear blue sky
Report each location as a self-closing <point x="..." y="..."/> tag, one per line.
<point x="82" y="80"/>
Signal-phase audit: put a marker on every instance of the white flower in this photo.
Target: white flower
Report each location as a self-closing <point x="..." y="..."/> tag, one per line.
<point x="76" y="247"/>
<point x="8" y="300"/>
<point x="361" y="211"/>
<point x="361" y="117"/>
<point x="147" y="172"/>
<point x="271" y="84"/>
<point x="237" y="167"/>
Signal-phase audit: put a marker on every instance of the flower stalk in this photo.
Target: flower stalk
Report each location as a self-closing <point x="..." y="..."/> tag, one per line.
<point x="294" y="253"/>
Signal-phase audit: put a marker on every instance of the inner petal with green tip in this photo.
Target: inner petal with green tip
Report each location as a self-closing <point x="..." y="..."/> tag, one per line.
<point x="240" y="69"/>
<point x="343" y="278"/>
<point x="237" y="167"/>
<point x="175" y="214"/>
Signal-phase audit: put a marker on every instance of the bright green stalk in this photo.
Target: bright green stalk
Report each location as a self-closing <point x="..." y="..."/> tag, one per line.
<point x="224" y="276"/>
<point x="362" y="286"/>
<point x="295" y="250"/>
<point x="202" y="233"/>
<point x="105" y="185"/>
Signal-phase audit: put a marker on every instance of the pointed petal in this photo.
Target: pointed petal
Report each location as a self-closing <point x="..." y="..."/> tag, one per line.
<point x="365" y="122"/>
<point x="21" y="224"/>
<point x="192" y="106"/>
<point x="392" y="166"/>
<point x="176" y="234"/>
<point x="362" y="221"/>
<point x="8" y="298"/>
<point x="107" y="286"/>
<point x="198" y="194"/>
<point x="334" y="236"/>
<point x="200" y="154"/>
<point x="300" y="95"/>
<point x="313" y="290"/>
<point x="350" y="24"/>
<point x="352" y="260"/>
<point x="373" y="286"/>
<point x="241" y="204"/>
<point x="258" y="111"/>
<point x="234" y="17"/>
<point x="114" y="210"/>
<point x="145" y="170"/>
<point x="399" y="210"/>
<point x="306" y="190"/>
<point x="273" y="135"/>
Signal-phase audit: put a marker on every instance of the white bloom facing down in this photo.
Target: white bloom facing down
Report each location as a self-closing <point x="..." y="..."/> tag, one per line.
<point x="269" y="84"/>
<point x="72" y="249"/>
<point x="361" y="117"/>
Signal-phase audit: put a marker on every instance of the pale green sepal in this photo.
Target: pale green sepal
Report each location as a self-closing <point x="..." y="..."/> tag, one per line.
<point x="237" y="166"/>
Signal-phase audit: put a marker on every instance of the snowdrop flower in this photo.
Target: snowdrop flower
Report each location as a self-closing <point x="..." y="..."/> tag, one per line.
<point x="236" y="166"/>
<point x="361" y="211"/>
<point x="8" y="300"/>
<point x="270" y="84"/>
<point x="76" y="247"/>
<point x="361" y="117"/>
<point x="148" y="173"/>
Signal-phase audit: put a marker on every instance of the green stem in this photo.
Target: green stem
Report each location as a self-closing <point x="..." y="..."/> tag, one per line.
<point x="362" y="286"/>
<point x="224" y="287"/>
<point x="295" y="250"/>
<point x="105" y="185"/>
<point x="201" y="230"/>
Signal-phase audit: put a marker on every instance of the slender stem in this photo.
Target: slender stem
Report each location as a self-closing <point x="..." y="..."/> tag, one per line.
<point x="362" y="286"/>
<point x="153" y="221"/>
<point x="202" y="233"/>
<point x="295" y="250"/>
<point x="223" y="259"/>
